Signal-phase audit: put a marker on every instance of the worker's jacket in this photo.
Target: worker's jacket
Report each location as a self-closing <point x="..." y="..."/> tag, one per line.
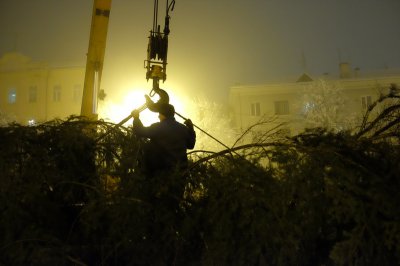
<point x="169" y="141"/>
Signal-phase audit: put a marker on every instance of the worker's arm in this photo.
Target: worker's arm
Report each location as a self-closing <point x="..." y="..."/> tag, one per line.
<point x="139" y="129"/>
<point x="191" y="141"/>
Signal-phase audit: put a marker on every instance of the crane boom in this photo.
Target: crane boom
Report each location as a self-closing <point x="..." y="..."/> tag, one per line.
<point x="95" y="57"/>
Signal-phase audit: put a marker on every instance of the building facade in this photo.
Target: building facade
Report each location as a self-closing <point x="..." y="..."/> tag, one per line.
<point x="332" y="102"/>
<point x="33" y="92"/>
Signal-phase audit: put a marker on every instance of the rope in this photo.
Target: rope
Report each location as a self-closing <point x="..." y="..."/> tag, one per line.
<point x="220" y="142"/>
<point x="144" y="106"/>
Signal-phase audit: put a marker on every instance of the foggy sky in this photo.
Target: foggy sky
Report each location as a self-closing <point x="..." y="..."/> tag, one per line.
<point x="213" y="44"/>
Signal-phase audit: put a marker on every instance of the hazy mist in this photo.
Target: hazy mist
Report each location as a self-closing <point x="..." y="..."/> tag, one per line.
<point x="212" y="44"/>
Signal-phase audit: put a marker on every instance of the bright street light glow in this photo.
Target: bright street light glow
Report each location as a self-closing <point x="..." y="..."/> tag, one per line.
<point x="115" y="111"/>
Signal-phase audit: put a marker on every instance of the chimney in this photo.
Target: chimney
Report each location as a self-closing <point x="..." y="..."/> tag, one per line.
<point x="345" y="70"/>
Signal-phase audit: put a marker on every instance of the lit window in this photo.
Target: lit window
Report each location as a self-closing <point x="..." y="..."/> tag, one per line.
<point x="12" y="95"/>
<point x="32" y="94"/>
<point x="77" y="93"/>
<point x="255" y="109"/>
<point x="281" y="108"/>
<point x="57" y="93"/>
<point x="366" y="102"/>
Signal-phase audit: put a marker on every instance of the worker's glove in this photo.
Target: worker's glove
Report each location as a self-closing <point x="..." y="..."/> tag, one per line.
<point x="135" y="113"/>
<point x="188" y="123"/>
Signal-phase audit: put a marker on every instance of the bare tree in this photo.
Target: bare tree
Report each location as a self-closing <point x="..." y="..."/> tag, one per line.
<point x="322" y="104"/>
<point x="5" y="119"/>
<point x="214" y="119"/>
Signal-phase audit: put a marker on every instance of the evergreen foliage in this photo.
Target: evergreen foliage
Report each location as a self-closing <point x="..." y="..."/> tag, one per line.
<point x="72" y="193"/>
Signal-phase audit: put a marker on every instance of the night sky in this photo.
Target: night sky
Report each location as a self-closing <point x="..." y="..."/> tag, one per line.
<point x="213" y="44"/>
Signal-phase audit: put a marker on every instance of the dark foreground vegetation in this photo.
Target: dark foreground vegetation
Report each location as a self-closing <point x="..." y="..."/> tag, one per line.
<point x="70" y="196"/>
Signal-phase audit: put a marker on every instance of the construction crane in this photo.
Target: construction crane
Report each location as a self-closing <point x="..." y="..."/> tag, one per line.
<point x="95" y="58"/>
<point x="156" y="63"/>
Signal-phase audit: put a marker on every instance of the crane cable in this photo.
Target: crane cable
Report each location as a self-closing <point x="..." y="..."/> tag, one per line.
<point x="155" y="15"/>
<point x="169" y="7"/>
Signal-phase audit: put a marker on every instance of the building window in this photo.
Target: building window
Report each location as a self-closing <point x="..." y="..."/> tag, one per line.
<point x="281" y="108"/>
<point x="32" y="95"/>
<point x="255" y="109"/>
<point x="77" y="94"/>
<point x="12" y="95"/>
<point x="57" y="93"/>
<point x="366" y="102"/>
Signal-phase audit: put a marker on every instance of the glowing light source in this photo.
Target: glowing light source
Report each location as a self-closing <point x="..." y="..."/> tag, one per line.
<point x="115" y="111"/>
<point x="31" y="122"/>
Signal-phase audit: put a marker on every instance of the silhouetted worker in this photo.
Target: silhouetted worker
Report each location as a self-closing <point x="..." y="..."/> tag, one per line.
<point x="169" y="141"/>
